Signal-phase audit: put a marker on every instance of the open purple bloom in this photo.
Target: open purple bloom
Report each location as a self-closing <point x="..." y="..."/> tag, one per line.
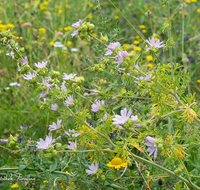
<point x="72" y="131"/>
<point x="25" y="60"/>
<point x="45" y="144"/>
<point x="123" y="118"/>
<point x="93" y="169"/>
<point x="68" y="77"/>
<point x="111" y="47"/>
<point x="69" y="101"/>
<point x="71" y="145"/>
<point x="120" y="56"/>
<point x="98" y="103"/>
<point x="29" y="76"/>
<point x="152" y="146"/>
<point x="4" y="140"/>
<point x="153" y="43"/>
<point x="46" y="83"/>
<point x="41" y="65"/>
<point x="76" y="25"/>
<point x="55" y="126"/>
<point x="54" y="107"/>
<point x="63" y="87"/>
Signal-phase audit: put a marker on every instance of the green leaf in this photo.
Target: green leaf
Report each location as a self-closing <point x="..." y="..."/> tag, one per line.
<point x="53" y="166"/>
<point x="22" y="167"/>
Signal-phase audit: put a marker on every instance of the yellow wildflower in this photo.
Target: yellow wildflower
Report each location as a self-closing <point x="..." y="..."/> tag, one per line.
<point x="187" y="1"/>
<point x="163" y="6"/>
<point x="136" y="42"/>
<point x="129" y="4"/>
<point x="26" y="46"/>
<point x="126" y="46"/>
<point x="67" y="28"/>
<point x="10" y="26"/>
<point x="90" y="4"/>
<point x="51" y="43"/>
<point x="45" y="181"/>
<point x="20" y="37"/>
<point x="150" y="65"/>
<point x="60" y="11"/>
<point x="137" y="48"/>
<point x="193" y="0"/>
<point x="142" y="26"/>
<point x="69" y="43"/>
<point x="95" y="35"/>
<point x="144" y="31"/>
<point x="116" y="17"/>
<point x="198" y="10"/>
<point x="67" y="172"/>
<point x="156" y="39"/>
<point x="198" y="80"/>
<point x="90" y="16"/>
<point x="42" y="30"/>
<point x="149" y="57"/>
<point x="116" y="163"/>
<point x="14" y="186"/>
<point x="14" y="32"/>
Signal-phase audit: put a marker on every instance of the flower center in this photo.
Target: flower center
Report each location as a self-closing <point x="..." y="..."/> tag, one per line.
<point x="116" y="161"/>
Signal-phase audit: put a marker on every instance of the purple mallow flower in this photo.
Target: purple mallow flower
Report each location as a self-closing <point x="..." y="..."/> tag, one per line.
<point x="93" y="169"/>
<point x="69" y="101"/>
<point x="153" y="43"/>
<point x="71" y="145"/>
<point x="98" y="103"/>
<point x="123" y="118"/>
<point x="45" y="144"/>
<point x="72" y="131"/>
<point x="25" y="60"/>
<point x="54" y="107"/>
<point x="76" y="25"/>
<point x="63" y="87"/>
<point x="4" y="140"/>
<point x="152" y="146"/>
<point x="46" y="83"/>
<point x="55" y="126"/>
<point x="120" y="56"/>
<point x="29" y="76"/>
<point x="111" y="47"/>
<point x="68" y="77"/>
<point x="41" y="65"/>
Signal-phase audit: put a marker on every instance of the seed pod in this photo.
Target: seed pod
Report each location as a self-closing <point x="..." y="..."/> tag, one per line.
<point x="58" y="34"/>
<point x="26" y="25"/>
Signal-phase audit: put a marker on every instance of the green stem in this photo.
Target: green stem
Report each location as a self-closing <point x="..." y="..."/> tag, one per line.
<point x="164" y="169"/>
<point x="100" y="134"/>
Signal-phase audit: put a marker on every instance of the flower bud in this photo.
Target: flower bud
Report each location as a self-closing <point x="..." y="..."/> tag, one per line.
<point x="103" y="177"/>
<point x="104" y="39"/>
<point x="54" y="153"/>
<point x="58" y="145"/>
<point x="48" y="155"/>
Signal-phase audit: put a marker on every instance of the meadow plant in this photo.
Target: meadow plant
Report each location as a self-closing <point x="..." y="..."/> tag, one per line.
<point x="140" y="125"/>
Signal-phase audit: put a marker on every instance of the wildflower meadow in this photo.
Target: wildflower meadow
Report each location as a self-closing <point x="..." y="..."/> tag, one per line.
<point x="100" y="94"/>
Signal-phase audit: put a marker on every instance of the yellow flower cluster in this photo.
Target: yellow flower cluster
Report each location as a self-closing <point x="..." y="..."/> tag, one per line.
<point x="14" y="186"/>
<point x="4" y="27"/>
<point x="67" y="28"/>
